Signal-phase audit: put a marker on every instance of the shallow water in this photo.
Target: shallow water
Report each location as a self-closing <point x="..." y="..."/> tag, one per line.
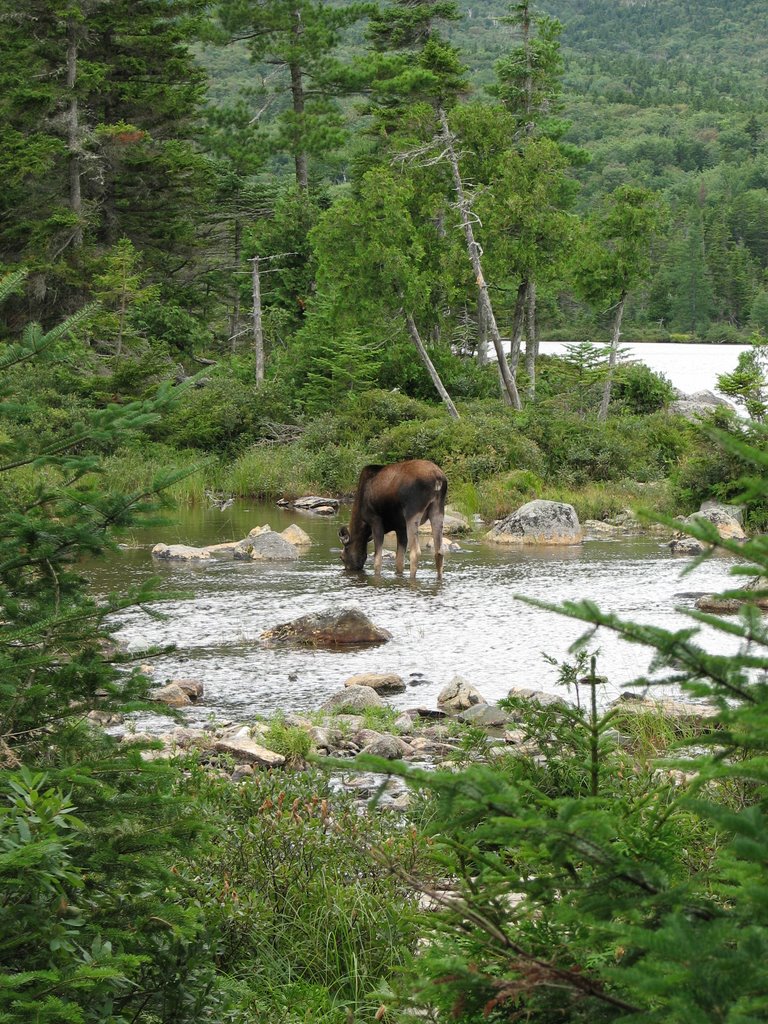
<point x="470" y="624"/>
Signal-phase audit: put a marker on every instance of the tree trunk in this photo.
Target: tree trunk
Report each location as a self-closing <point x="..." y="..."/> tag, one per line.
<point x="482" y="337"/>
<point x="518" y="322"/>
<point x="424" y="356"/>
<point x="258" y="337"/>
<point x="473" y="250"/>
<point x="531" y="343"/>
<point x="613" y="358"/>
<point x="234" y="319"/>
<point x="73" y="133"/>
<point x="297" y="96"/>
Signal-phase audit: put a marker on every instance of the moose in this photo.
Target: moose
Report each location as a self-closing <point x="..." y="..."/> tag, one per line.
<point x="400" y="497"/>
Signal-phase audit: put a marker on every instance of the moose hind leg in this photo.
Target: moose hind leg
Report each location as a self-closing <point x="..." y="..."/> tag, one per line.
<point x="413" y="543"/>
<point x="436" y="517"/>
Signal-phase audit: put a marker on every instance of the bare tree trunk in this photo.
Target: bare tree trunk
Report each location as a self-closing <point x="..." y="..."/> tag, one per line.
<point x="258" y="337"/>
<point x="473" y="250"/>
<point x="234" y="319"/>
<point x="613" y="358"/>
<point x="424" y="356"/>
<point x="518" y="322"/>
<point x="482" y="337"/>
<point x="531" y="343"/>
<point x="297" y="97"/>
<point x="73" y="133"/>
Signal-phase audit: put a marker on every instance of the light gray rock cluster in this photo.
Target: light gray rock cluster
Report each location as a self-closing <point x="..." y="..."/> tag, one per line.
<point x="698" y="405"/>
<point x="728" y="527"/>
<point x="262" y="544"/>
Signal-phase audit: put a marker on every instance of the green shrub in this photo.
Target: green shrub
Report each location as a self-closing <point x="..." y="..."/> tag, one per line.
<point x="473" y="448"/>
<point x="638" y="389"/>
<point x="223" y="415"/>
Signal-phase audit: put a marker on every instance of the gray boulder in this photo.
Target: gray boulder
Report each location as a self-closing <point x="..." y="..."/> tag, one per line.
<point x="347" y="628"/>
<point x="267" y="547"/>
<point x="538" y="522"/>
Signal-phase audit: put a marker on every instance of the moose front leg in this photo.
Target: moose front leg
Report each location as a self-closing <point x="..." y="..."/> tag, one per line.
<point x="377" y="529"/>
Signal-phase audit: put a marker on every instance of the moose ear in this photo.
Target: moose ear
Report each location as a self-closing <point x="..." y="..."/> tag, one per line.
<point x="344" y="536"/>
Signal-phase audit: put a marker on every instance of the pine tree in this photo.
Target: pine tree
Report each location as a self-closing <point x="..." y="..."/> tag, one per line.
<point x="300" y="42"/>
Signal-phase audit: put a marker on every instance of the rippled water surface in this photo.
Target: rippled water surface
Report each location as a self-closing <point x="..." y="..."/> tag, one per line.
<point x="470" y="624"/>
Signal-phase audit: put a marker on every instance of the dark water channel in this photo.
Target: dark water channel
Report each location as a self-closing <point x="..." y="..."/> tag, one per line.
<point x="470" y="624"/>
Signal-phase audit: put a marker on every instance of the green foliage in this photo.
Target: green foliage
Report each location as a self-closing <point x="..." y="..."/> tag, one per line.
<point x="224" y="414"/>
<point x="639" y="390"/>
<point x="303" y="901"/>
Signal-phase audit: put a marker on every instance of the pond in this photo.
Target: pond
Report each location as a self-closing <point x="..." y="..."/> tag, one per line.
<point x="690" y="368"/>
<point x="470" y="624"/>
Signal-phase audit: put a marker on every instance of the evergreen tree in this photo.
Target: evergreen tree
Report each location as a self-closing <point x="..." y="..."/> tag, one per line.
<point x="300" y="41"/>
<point x="97" y="127"/>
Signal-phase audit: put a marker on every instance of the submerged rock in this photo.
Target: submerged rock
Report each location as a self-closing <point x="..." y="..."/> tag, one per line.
<point x="347" y="628"/>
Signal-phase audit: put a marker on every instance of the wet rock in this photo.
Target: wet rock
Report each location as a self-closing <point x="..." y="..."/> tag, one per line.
<point x="180" y="552"/>
<point x="193" y="688"/>
<point x="459" y="695"/>
<point x="269" y="547"/>
<point x="248" y="751"/>
<point x="728" y="527"/>
<point x="485" y="715"/>
<point x="296" y="536"/>
<point x="105" y="718"/>
<point x="718" y="605"/>
<point x="682" y="544"/>
<point x="428" y="713"/>
<point x="172" y="695"/>
<point x="353" y="698"/>
<point x="381" y="682"/>
<point x="538" y="522"/>
<point x="734" y="511"/>
<point x="312" y="503"/>
<point x="347" y="628"/>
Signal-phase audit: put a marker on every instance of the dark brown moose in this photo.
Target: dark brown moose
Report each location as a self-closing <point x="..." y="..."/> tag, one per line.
<point x="397" y="497"/>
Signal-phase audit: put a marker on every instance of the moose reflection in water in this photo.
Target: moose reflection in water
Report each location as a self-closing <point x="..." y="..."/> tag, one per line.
<point x="398" y="497"/>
